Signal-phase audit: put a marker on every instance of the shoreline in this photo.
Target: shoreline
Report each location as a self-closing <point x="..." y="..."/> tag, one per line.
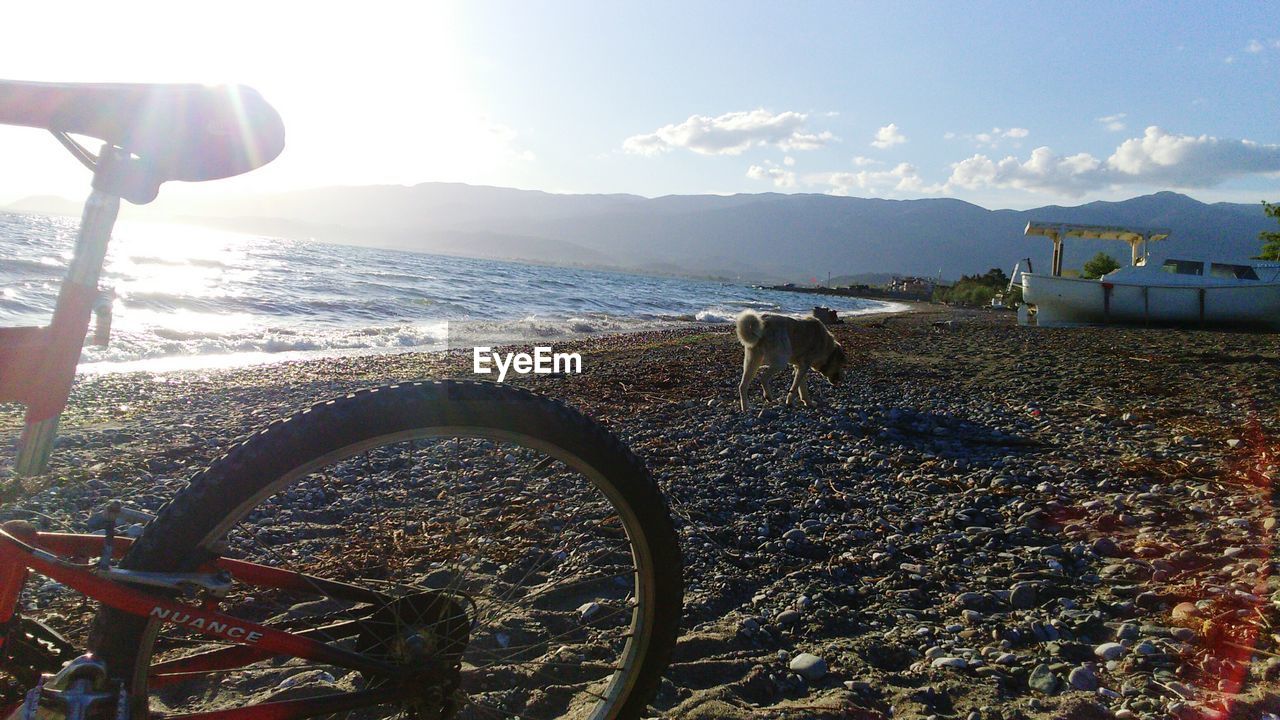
<point x="982" y="507"/>
<point x="232" y="361"/>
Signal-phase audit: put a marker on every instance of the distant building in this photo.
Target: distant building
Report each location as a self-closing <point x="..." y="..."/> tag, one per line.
<point x="911" y="285"/>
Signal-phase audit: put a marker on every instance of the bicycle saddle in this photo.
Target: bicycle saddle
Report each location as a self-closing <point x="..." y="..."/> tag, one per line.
<point x="182" y="132"/>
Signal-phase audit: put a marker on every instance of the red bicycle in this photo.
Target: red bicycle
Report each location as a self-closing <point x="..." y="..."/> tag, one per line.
<point x="433" y="549"/>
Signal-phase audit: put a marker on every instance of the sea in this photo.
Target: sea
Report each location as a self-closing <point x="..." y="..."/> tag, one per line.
<point x="188" y="297"/>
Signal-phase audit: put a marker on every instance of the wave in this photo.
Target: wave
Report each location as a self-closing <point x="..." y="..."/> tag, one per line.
<point x="715" y="316"/>
<point x="177" y="262"/>
<point x="199" y="293"/>
<point x="169" y="342"/>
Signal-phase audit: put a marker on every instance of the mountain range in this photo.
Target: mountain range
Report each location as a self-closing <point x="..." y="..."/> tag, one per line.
<point x="752" y="237"/>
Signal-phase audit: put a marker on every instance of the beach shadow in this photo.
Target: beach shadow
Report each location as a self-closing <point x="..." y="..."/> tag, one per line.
<point x="944" y="434"/>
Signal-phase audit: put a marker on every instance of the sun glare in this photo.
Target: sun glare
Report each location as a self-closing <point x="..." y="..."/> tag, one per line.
<point x="382" y="96"/>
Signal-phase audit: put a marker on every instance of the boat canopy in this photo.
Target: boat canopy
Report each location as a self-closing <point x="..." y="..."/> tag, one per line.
<point x="1057" y="231"/>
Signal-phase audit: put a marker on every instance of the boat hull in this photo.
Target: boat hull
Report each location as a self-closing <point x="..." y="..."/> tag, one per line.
<point x="1064" y="301"/>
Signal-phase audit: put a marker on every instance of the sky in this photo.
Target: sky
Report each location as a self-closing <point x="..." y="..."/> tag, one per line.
<point x="1016" y="104"/>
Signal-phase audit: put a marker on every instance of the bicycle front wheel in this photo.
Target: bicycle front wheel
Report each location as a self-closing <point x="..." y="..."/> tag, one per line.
<point x="520" y="560"/>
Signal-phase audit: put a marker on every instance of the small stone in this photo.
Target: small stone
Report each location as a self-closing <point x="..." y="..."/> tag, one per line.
<point x="1083" y="678"/>
<point x="586" y="611"/>
<point x="1043" y="680"/>
<point x="1105" y="547"/>
<point x="1146" y="648"/>
<point x="809" y="666"/>
<point x="787" y="617"/>
<point x="1110" y="651"/>
<point x="795" y="535"/>
<point x="1149" y="600"/>
<point x="1184" y="611"/>
<point x="954" y="663"/>
<point x="859" y="686"/>
<point x="1023" y="595"/>
<point x="1183" y="691"/>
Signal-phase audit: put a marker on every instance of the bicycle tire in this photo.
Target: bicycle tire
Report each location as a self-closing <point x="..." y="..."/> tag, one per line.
<point x="277" y="457"/>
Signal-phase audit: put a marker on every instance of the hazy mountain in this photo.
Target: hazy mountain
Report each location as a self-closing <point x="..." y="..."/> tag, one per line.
<point x="754" y="236"/>
<point x="46" y="205"/>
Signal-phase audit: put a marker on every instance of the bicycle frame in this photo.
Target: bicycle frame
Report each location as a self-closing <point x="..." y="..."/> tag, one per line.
<point x="23" y="550"/>
<point x="38" y="364"/>
<point x="37" y="368"/>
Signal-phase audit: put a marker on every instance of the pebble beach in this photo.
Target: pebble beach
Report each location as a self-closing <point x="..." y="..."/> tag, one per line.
<point x="983" y="521"/>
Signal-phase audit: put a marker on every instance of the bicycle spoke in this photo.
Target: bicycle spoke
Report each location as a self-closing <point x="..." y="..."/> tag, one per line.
<point x="513" y="539"/>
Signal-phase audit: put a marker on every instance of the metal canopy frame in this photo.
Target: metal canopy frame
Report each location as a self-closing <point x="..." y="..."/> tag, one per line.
<point x="1134" y="235"/>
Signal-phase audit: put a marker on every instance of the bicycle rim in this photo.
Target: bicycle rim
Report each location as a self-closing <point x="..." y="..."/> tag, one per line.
<point x="548" y="557"/>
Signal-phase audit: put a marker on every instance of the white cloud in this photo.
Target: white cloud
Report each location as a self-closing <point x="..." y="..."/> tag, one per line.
<point x="1192" y="161"/>
<point x="1042" y="171"/>
<point x="993" y="138"/>
<point x="788" y="161"/>
<point x="1157" y="158"/>
<point x="948" y="135"/>
<point x="730" y="134"/>
<point x="504" y="137"/>
<point x="888" y="136"/>
<point x="902" y="178"/>
<point x="1114" y="123"/>
<point x="860" y="161"/>
<point x="1254" y="46"/>
<point x="781" y="178"/>
<point x="1230" y="59"/>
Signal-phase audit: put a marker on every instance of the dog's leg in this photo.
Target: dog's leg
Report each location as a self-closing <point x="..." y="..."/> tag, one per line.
<point x="766" y="378"/>
<point x="750" y="366"/>
<point x="804" y="390"/>
<point x="796" y="383"/>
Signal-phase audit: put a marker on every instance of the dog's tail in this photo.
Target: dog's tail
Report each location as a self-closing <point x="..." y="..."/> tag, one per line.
<point x="750" y="328"/>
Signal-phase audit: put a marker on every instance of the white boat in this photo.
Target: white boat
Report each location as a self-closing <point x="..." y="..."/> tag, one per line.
<point x="1164" y="291"/>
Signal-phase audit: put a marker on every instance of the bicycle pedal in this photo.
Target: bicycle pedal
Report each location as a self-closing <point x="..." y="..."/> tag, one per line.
<point x="81" y="690"/>
<point x="117" y="515"/>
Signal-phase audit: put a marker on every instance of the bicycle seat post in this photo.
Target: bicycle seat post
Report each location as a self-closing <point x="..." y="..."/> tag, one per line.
<point x="116" y="175"/>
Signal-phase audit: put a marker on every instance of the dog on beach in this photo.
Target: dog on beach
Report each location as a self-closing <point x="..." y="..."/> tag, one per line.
<point x="775" y="341"/>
